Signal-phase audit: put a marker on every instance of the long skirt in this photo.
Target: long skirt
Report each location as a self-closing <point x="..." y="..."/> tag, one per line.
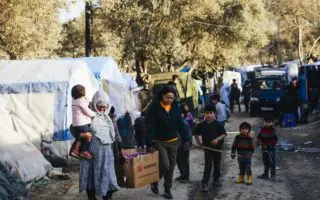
<point x="98" y="173"/>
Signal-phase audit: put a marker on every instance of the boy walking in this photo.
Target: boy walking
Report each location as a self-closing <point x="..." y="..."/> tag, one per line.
<point x="244" y="147"/>
<point x="268" y="139"/>
<point x="212" y="137"/>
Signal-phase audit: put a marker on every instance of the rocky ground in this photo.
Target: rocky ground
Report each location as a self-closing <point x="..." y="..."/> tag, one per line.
<point x="297" y="173"/>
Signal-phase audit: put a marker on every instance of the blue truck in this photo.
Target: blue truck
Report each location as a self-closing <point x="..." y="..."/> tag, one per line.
<point x="309" y="79"/>
<point x="268" y="87"/>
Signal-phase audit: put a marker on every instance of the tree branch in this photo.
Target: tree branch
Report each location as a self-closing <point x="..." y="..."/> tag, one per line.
<point x="313" y="46"/>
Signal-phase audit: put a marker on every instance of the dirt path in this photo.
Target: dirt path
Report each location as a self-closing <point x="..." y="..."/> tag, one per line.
<point x="302" y="169"/>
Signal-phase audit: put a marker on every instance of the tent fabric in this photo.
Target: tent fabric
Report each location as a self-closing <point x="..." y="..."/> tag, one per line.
<point x="45" y="76"/>
<point x="60" y="133"/>
<point x="35" y="98"/>
<point x="118" y="85"/>
<point x="11" y="187"/>
<point x="104" y="68"/>
<point x="21" y="156"/>
<point x="187" y="87"/>
<point x="228" y="76"/>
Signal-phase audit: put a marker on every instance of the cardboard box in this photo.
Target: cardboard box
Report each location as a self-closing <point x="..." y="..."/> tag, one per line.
<point x="141" y="170"/>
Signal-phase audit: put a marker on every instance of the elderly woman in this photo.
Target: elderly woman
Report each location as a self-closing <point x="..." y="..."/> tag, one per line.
<point x="97" y="176"/>
<point x="164" y="122"/>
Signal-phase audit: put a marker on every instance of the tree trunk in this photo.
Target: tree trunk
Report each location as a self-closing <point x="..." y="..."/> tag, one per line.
<point x="300" y="50"/>
<point x="279" y="58"/>
<point x="139" y="72"/>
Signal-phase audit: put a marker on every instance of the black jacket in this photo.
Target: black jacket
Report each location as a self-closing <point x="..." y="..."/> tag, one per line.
<point x="165" y="126"/>
<point x="234" y="90"/>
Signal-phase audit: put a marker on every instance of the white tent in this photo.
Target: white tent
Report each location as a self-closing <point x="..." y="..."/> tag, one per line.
<point x="228" y="76"/>
<point x="119" y="86"/>
<point x="35" y="99"/>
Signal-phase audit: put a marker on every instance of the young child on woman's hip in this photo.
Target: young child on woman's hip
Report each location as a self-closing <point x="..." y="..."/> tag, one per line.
<point x="81" y="120"/>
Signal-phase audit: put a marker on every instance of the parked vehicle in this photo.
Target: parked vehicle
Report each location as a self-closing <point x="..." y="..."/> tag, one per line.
<point x="267" y="89"/>
<point x="309" y="80"/>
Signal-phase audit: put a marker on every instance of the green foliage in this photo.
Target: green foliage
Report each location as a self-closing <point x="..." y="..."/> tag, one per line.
<point x="29" y="28"/>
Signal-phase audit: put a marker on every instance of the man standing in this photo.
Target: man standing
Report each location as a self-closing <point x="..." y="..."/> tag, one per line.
<point x="234" y="95"/>
<point x="246" y="92"/>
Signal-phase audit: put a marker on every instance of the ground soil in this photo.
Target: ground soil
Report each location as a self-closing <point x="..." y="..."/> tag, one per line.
<point x="297" y="173"/>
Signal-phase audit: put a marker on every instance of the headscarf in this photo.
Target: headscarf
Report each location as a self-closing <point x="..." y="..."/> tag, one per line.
<point x="101" y="98"/>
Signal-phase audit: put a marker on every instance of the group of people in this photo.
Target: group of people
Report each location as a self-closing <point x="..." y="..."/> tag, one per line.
<point x="166" y="127"/>
<point x="230" y="95"/>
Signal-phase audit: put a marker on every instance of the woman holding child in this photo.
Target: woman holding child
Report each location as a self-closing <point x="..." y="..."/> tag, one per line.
<point x="97" y="175"/>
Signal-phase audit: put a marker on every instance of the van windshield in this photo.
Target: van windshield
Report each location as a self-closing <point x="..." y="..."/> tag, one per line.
<point x="269" y="84"/>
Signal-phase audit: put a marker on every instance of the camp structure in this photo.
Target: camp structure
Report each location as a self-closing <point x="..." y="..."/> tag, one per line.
<point x="35" y="99"/>
<point x="187" y="87"/>
<point x="119" y="86"/>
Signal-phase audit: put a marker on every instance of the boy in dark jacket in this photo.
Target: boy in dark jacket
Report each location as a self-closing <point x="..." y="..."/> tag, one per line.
<point x="244" y="147"/>
<point x="268" y="139"/>
<point x="212" y="134"/>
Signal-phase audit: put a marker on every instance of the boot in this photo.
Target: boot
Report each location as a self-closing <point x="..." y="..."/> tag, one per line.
<point x="249" y="180"/>
<point x="91" y="194"/>
<point x="154" y="188"/>
<point x="263" y="176"/>
<point x="167" y="194"/>
<point x="240" y="179"/>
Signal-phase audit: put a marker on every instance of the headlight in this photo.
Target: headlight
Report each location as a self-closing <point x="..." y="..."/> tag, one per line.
<point x="277" y="99"/>
<point x="254" y="99"/>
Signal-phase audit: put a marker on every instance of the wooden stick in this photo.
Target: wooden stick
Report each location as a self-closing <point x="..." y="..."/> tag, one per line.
<point x="211" y="149"/>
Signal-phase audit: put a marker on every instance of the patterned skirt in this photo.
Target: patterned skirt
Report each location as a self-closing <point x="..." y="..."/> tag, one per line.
<point x="98" y="173"/>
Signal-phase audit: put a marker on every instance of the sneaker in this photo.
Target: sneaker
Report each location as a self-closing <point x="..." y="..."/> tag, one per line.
<point x="154" y="188"/>
<point x="178" y="178"/>
<point x="86" y="155"/>
<point x="184" y="180"/>
<point x="74" y="153"/>
<point x="205" y="188"/>
<point x="273" y="177"/>
<point x="263" y="176"/>
<point x="167" y="194"/>
<point x="217" y="183"/>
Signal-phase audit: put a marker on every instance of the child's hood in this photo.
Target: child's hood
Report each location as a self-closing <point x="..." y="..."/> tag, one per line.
<point x="100" y="97"/>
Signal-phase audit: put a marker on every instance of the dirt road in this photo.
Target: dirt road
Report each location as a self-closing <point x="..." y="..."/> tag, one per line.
<point x="297" y="174"/>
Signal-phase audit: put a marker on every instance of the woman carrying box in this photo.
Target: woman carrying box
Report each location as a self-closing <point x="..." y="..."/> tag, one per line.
<point x="164" y="122"/>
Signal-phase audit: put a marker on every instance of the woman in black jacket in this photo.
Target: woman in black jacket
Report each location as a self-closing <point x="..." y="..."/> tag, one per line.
<point x="164" y="123"/>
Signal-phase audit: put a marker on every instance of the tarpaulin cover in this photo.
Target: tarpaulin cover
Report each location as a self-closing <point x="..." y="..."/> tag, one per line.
<point x="21" y="156"/>
<point x="35" y="99"/>
<point x="11" y="187"/>
<point x="118" y="85"/>
<point x="187" y="87"/>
